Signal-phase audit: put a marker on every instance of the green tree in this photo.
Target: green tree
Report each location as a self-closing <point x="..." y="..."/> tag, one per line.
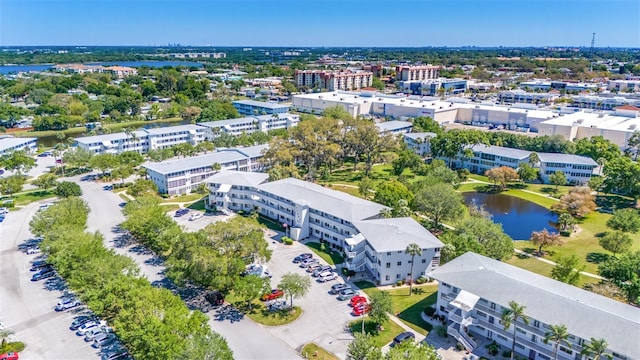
<point x="412" y="249"/>
<point x="406" y="159"/>
<point x="4" y="335"/>
<point x="625" y="220"/>
<point x="365" y="186"/>
<point x="18" y="161"/>
<point x="336" y="112"/>
<point x="597" y="147"/>
<point x="634" y="143"/>
<point x="426" y="124"/>
<point x="440" y="202"/>
<point x="295" y="285"/>
<point x="381" y="305"/>
<point x="502" y="175"/>
<point x="565" y="220"/>
<point x="510" y="316"/>
<point x="412" y="350"/>
<point x="77" y="157"/>
<point x="534" y="159"/>
<point x="558" y="178"/>
<point x="595" y="184"/>
<point x="544" y="238"/>
<point x="45" y="181"/>
<point x="250" y="287"/>
<point x="624" y="272"/>
<point x="67" y="189"/>
<point x="557" y="335"/>
<point x="616" y="241"/>
<point x="363" y="347"/>
<point x="489" y="235"/>
<point x="390" y="192"/>
<point x="596" y="349"/>
<point x="11" y="184"/>
<point x="122" y="172"/>
<point x="142" y="187"/>
<point x="130" y="158"/>
<point x="527" y="172"/>
<point x="622" y="175"/>
<point x="103" y="162"/>
<point x="567" y="270"/>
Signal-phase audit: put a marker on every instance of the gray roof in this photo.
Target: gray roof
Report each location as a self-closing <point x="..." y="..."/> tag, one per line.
<point x="9" y="142"/>
<point x="262" y="104"/>
<point x="420" y="135"/>
<point x="329" y="201"/>
<point x="238" y="178"/>
<point x="567" y="159"/>
<point x="172" y="129"/>
<point x="195" y="162"/>
<point x="395" y="234"/>
<point x="585" y="314"/>
<point x="250" y="151"/>
<point x="393" y="125"/>
<point x="221" y="123"/>
<point x="501" y="151"/>
<point x="109" y="137"/>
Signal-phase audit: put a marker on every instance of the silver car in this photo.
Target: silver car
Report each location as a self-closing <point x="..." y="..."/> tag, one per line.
<point x="347" y="294"/>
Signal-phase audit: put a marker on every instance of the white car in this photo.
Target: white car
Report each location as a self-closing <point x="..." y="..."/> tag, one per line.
<point x="195" y="216"/>
<point x="327" y="276"/>
<point x="85" y="328"/>
<point x="67" y="303"/>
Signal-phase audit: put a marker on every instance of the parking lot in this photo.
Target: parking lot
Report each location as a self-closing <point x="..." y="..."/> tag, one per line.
<point x="27" y="307"/>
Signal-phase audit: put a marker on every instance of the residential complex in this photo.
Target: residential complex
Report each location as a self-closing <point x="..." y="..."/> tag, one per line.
<point x="624" y="85"/>
<point x="521" y="96"/>
<point x="420" y="143"/>
<point x="9" y="144"/>
<point x="578" y="169"/>
<point x="433" y="87"/>
<point x="601" y="102"/>
<point x="250" y="124"/>
<point x="252" y="107"/>
<point x="118" y="71"/>
<point x="473" y="290"/>
<point x="333" y="80"/>
<point x="545" y="85"/>
<point x="417" y="73"/>
<point x="351" y="225"/>
<point x="182" y="176"/>
<point x="395" y="127"/>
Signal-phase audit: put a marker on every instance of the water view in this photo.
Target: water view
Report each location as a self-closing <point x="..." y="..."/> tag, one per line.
<point x="518" y="217"/>
<point x="11" y="69"/>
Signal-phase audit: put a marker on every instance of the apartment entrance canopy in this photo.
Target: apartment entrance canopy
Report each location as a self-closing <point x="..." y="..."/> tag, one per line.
<point x="465" y="301"/>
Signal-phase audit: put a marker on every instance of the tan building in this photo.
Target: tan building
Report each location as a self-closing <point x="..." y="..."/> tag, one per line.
<point x="416" y="73"/>
<point x="334" y="80"/>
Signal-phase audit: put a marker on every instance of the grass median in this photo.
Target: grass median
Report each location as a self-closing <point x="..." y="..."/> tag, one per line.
<point x="330" y="256"/>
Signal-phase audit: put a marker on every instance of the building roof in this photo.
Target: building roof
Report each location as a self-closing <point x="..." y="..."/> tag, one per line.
<point x="396" y="234"/>
<point x="329" y="201"/>
<point x="249" y="151"/>
<point x="110" y="137"/>
<point x="628" y="107"/>
<point x="602" y="121"/>
<point x="420" y="136"/>
<point x="585" y="314"/>
<point x="501" y="151"/>
<point x="246" y="119"/>
<point x="195" y="162"/>
<point x="393" y="125"/>
<point x="238" y="178"/>
<point x="264" y="104"/>
<point x="173" y="129"/>
<point x="566" y="159"/>
<point x="9" y="142"/>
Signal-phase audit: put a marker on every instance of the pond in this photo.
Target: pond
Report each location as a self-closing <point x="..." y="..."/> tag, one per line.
<point x="518" y="217"/>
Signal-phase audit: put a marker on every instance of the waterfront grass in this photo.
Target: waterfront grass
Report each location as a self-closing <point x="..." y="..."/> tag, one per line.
<point x="114" y="127"/>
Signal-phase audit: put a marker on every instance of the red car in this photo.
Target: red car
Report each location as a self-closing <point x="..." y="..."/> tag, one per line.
<point x="274" y="294"/>
<point x="361" y="309"/>
<point x="358" y="299"/>
<point x="10" y="356"/>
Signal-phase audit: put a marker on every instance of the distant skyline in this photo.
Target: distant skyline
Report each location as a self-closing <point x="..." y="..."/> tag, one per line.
<point x="330" y="23"/>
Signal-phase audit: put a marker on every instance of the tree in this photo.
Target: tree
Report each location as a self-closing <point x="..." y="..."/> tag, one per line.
<point x="616" y="241"/>
<point x="406" y="159"/>
<point x="78" y="157"/>
<point x="527" y="172"/>
<point x="365" y="186"/>
<point x="412" y="249"/>
<point x="558" y="178"/>
<point x="597" y="147"/>
<point x="595" y="349"/>
<point x="426" y="124"/>
<point x="295" y="285"/>
<point x="622" y="175"/>
<point x="510" y="316"/>
<point x="142" y="187"/>
<point x="624" y="272"/>
<point x="45" y="181"/>
<point x="363" y="347"/>
<point x="595" y="183"/>
<point x="440" y="202"/>
<point x="390" y="192"/>
<point x="380" y="307"/>
<point x="565" y="220"/>
<point x="4" y="335"/>
<point x="534" y="158"/>
<point x="251" y="286"/>
<point x="412" y="350"/>
<point x="625" y="220"/>
<point x="544" y="238"/>
<point x="122" y="172"/>
<point x="566" y="270"/>
<point x="502" y="175"/>
<point x="401" y="209"/>
<point x="634" y="143"/>
<point x="558" y="334"/>
<point x="18" y="161"/>
<point x="67" y="189"/>
<point x="578" y="202"/>
<point x="336" y="112"/>
<point x="103" y="162"/>
<point x="11" y="184"/>
<point x="489" y="235"/>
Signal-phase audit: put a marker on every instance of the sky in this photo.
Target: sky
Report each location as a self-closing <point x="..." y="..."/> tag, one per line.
<point x="314" y="23"/>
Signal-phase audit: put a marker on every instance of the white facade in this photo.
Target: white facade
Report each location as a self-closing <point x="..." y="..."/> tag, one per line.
<point x="250" y="124"/>
<point x="624" y="85"/>
<point x="577" y="169"/>
<point x="10" y="144"/>
<point x="419" y="72"/>
<point x="333" y="80"/>
<point x="419" y="142"/>
<point x="346" y="223"/>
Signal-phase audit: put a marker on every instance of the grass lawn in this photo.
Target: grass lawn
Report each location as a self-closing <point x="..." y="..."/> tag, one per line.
<point x="123" y="196"/>
<point x="542" y="268"/>
<point x="261" y="315"/>
<point x="270" y="224"/>
<point x="82" y="129"/>
<point x="409" y="307"/>
<point x="26" y="197"/>
<point x="184" y="198"/>
<point x="332" y="257"/>
<point x="309" y="350"/>
<point x="170" y="207"/>
<point x="380" y="337"/>
<point x="198" y="205"/>
<point x="346" y="189"/>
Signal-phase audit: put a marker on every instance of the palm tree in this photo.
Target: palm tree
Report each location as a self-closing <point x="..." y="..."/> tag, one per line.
<point x="557" y="335"/>
<point x="565" y="220"/>
<point x="601" y="162"/>
<point x="4" y="334"/>
<point x="412" y="249"/>
<point x="511" y="316"/>
<point x="595" y="349"/>
<point x="534" y="158"/>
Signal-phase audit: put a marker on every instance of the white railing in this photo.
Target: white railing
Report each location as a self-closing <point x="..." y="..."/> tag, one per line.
<point x="469" y="344"/>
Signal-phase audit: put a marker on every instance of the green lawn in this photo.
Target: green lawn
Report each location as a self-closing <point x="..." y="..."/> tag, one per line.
<point x="170" y="207"/>
<point x="184" y="198"/>
<point x="332" y="257"/>
<point x="26" y="197"/>
<point x="380" y="337"/>
<point x="114" y="127"/>
<point x="261" y="315"/>
<point x="345" y="189"/>
<point x="544" y="269"/>
<point x="310" y="350"/>
<point x="198" y="205"/>
<point x="411" y="307"/>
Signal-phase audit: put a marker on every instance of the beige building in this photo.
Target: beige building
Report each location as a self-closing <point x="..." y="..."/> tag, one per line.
<point x="416" y="73"/>
<point x="334" y="80"/>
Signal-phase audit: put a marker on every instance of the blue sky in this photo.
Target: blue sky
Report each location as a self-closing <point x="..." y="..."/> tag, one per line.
<point x="321" y="22"/>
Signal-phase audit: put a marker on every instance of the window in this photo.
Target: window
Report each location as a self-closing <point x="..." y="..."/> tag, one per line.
<point x="481" y="314"/>
<point x="424" y="261"/>
<point x="397" y="276"/>
<point x="387" y="278"/>
<point x="493" y="306"/>
<point x="536" y="323"/>
<point x="388" y="265"/>
<point x="399" y="263"/>
<point x="564" y="349"/>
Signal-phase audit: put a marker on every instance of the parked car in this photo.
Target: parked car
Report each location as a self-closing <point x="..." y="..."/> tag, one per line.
<point x="320" y="270"/>
<point x="86" y="327"/>
<point x="195" y="216"/>
<point x="107" y="187"/>
<point x="81" y="320"/>
<point x="67" y="303"/>
<point x="327" y="276"/>
<point x="307" y="262"/>
<point x="301" y="257"/>
<point x="94" y="333"/>
<point x="115" y="353"/>
<point x="274" y="294"/>
<point x="347" y="294"/>
<point x="9" y="356"/>
<point x="214" y="298"/>
<point x="4" y="210"/>
<point x="104" y="339"/>
<point x="357" y="300"/>
<point x="337" y="288"/>
<point x="39" y="265"/>
<point x="403" y="337"/>
<point x="361" y="309"/>
<point x="2" y="217"/>
<point x="43" y="274"/>
<point x="180" y="212"/>
<point x="33" y="250"/>
<point x="313" y="267"/>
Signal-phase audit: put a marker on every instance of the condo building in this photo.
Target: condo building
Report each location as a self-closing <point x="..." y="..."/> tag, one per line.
<point x="9" y="144"/>
<point x="417" y="73"/>
<point x="334" y="80"/>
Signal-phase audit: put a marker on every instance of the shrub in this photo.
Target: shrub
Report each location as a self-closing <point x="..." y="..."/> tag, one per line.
<point x="429" y="311"/>
<point x="506" y="354"/>
<point x="14" y="346"/>
<point x="493" y="348"/>
<point x="441" y="331"/>
<point x="347" y="272"/>
<point x="399" y="283"/>
<point x="287" y="240"/>
<point x="421" y="280"/>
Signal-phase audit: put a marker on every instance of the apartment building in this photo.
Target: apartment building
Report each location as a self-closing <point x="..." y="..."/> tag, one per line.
<point x="394" y="127"/>
<point x="434" y="87"/>
<point x="525" y="97"/>
<point x="624" y="85"/>
<point x="473" y="290"/>
<point x="578" y="169"/>
<point x="351" y="225"/>
<point x="252" y="107"/>
<point x="143" y="140"/>
<point x="334" y="80"/>
<point x="544" y="85"/>
<point x="417" y="73"/>
<point x="182" y="176"/>
<point x="10" y="144"/>
<point x="595" y="102"/>
<point x="420" y="143"/>
<point x="250" y="124"/>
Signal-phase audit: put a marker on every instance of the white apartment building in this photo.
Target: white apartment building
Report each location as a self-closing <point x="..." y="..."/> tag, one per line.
<point x="143" y="140"/>
<point x="419" y="72"/>
<point x="473" y="290"/>
<point x="546" y="85"/>
<point x="334" y="80"/>
<point x="250" y="124"/>
<point x="624" y="85"/>
<point x="9" y="144"/>
<point x="352" y="225"/>
<point x="521" y="96"/>
<point x="601" y="102"/>
<point x="182" y="176"/>
<point x="394" y="127"/>
<point x="420" y="143"/>
<point x="578" y="169"/>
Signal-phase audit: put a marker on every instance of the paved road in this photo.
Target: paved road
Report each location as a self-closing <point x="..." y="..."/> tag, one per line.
<point x="27" y="307"/>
